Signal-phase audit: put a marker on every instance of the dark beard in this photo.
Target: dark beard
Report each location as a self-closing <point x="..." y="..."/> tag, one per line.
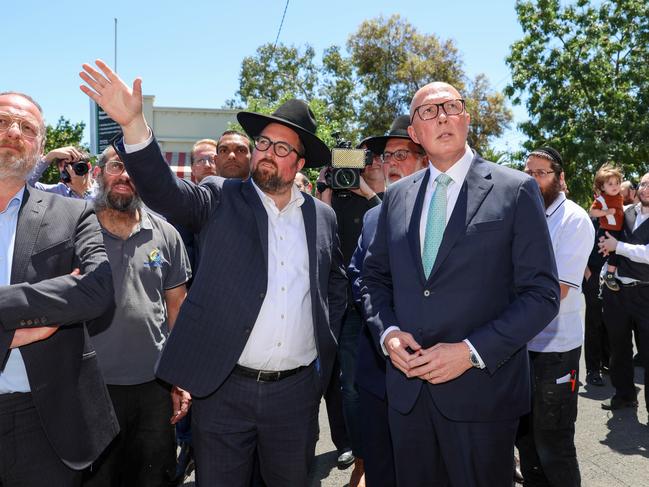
<point x="107" y="200"/>
<point x="551" y="193"/>
<point x="270" y="182"/>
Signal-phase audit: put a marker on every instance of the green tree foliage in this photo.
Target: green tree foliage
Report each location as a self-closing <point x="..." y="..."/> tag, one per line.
<point x="581" y="69"/>
<point x="63" y="134"/>
<point x="360" y="92"/>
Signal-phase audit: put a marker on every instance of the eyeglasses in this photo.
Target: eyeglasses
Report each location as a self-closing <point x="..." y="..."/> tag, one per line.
<point x="643" y="186"/>
<point x="541" y="173"/>
<point x="399" y="155"/>
<point x="280" y="148"/>
<point x="207" y="160"/>
<point x="29" y="129"/>
<point x="429" y="111"/>
<point x="114" y="167"/>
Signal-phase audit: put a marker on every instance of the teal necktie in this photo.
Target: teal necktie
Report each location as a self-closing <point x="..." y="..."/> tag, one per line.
<point x="435" y="223"/>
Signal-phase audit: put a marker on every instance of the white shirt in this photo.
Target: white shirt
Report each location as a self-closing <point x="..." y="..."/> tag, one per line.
<point x="457" y="172"/>
<point x="573" y="235"/>
<point x="283" y="337"/>
<point x="635" y="252"/>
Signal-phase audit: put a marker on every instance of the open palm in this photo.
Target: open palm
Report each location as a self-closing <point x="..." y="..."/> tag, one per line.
<point x="121" y="103"/>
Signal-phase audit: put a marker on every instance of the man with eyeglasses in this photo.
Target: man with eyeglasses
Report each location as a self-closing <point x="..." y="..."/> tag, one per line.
<point x="630" y="305"/>
<point x="55" y="415"/>
<point x="255" y="340"/>
<point x="150" y="269"/>
<point x="402" y="157"/>
<point x="203" y="159"/>
<point x="546" y="436"/>
<point x="459" y="277"/>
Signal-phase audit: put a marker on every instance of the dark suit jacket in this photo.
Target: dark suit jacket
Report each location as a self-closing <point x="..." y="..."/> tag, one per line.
<point x="370" y="364"/>
<point x="494" y="282"/>
<point x="55" y="235"/>
<point x="221" y="308"/>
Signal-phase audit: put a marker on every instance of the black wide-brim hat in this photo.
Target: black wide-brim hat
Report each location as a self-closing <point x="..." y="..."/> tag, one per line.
<point x="398" y="130"/>
<point x="296" y="115"/>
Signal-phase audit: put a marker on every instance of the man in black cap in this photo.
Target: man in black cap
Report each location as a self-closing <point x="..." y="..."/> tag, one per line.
<point x="254" y="342"/>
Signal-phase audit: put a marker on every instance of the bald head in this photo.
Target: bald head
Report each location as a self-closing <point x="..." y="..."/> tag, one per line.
<point x="439" y="123"/>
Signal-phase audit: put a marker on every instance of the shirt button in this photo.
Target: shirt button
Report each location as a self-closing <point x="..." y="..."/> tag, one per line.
<point x="283" y="288"/>
<point x="281" y="263"/>
<point x="282" y="316"/>
<point x="426" y="293"/>
<point x="279" y="344"/>
<point x="281" y="238"/>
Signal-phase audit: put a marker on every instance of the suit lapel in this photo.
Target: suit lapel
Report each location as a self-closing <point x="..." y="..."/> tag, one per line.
<point x="629" y="217"/>
<point x="310" y="228"/>
<point x="414" y="205"/>
<point x="473" y="192"/>
<point x="251" y="196"/>
<point x="30" y="218"/>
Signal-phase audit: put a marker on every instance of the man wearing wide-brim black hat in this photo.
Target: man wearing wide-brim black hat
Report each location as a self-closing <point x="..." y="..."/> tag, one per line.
<point x="254" y="343"/>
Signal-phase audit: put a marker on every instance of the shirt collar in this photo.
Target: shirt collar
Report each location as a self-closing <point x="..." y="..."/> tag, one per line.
<point x="457" y="172"/>
<point x="555" y="204"/>
<point x="297" y="197"/>
<point x="15" y="201"/>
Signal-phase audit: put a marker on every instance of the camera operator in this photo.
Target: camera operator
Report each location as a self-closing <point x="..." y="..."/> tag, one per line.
<point x="350" y="206"/>
<point x="75" y="169"/>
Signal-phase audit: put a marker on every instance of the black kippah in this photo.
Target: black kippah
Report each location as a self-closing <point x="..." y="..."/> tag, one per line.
<point x="551" y="153"/>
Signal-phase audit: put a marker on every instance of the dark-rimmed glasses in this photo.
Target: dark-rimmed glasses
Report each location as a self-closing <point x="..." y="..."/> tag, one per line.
<point x="204" y="161"/>
<point x="280" y="148"/>
<point x="398" y="155"/>
<point x="541" y="173"/>
<point x="429" y="111"/>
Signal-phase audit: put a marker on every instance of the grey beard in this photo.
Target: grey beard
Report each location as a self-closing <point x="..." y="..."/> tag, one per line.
<point x="16" y="168"/>
<point x="105" y="200"/>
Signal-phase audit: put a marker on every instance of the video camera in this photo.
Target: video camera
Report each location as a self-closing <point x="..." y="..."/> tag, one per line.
<point x="346" y="165"/>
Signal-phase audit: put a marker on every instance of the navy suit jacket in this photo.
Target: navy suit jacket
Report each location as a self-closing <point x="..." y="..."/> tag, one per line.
<point x="494" y="282"/>
<point x="370" y="365"/>
<point x="222" y="305"/>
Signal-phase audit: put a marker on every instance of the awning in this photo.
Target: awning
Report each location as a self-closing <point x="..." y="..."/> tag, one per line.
<point x="180" y="163"/>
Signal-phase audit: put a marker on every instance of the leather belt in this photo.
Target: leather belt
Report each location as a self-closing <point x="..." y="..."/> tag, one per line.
<point x="634" y="284"/>
<point x="266" y="375"/>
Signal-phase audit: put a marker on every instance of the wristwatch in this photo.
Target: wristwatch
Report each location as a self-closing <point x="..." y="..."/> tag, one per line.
<point x="474" y="359"/>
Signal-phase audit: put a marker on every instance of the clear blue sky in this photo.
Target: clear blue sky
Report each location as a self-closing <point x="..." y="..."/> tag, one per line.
<point x="189" y="53"/>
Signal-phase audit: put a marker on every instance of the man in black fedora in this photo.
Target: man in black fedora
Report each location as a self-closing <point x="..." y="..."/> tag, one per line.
<point x="255" y="341"/>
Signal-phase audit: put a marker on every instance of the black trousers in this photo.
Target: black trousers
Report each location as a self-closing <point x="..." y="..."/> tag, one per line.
<point x="277" y="420"/>
<point x="546" y="440"/>
<point x="433" y="451"/>
<point x="333" y="397"/>
<point x="144" y="452"/>
<point x="595" y="339"/>
<point x="376" y="440"/>
<point x="26" y="456"/>
<point x="623" y="309"/>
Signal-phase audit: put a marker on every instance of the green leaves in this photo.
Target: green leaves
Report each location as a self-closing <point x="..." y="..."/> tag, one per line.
<point x="61" y="135"/>
<point x="581" y="71"/>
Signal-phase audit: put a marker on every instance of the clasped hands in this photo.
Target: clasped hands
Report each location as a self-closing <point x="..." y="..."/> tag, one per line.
<point x="438" y="364"/>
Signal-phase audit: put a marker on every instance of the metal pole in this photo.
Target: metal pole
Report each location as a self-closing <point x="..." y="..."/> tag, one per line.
<point x="115" y="63"/>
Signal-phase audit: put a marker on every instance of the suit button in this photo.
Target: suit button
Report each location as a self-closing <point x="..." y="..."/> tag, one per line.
<point x="247" y="331"/>
<point x="426" y="293"/>
<point x="262" y="295"/>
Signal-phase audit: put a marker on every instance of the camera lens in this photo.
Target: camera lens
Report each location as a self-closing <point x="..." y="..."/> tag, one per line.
<point x="80" y="168"/>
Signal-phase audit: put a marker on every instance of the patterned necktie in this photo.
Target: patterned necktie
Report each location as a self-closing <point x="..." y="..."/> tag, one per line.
<point x="435" y="223"/>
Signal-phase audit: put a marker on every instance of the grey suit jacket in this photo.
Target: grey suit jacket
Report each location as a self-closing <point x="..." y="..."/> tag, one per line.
<point x="55" y="235"/>
<point x="223" y="303"/>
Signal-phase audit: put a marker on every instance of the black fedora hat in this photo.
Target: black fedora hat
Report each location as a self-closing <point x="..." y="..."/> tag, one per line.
<point x="296" y="115"/>
<point x="398" y="130"/>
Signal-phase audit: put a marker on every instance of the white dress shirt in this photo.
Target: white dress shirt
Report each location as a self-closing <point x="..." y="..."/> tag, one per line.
<point x="635" y="252"/>
<point x="573" y="235"/>
<point x="283" y="336"/>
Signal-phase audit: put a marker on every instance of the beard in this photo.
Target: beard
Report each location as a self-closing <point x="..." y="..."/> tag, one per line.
<point x="106" y="199"/>
<point x="551" y="192"/>
<point x="269" y="180"/>
<point x="17" y="167"/>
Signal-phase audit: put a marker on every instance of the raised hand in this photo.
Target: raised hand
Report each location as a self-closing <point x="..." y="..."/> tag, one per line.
<point x="121" y="103"/>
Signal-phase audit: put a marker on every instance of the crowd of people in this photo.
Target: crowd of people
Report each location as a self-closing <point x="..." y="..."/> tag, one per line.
<point x="436" y="305"/>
